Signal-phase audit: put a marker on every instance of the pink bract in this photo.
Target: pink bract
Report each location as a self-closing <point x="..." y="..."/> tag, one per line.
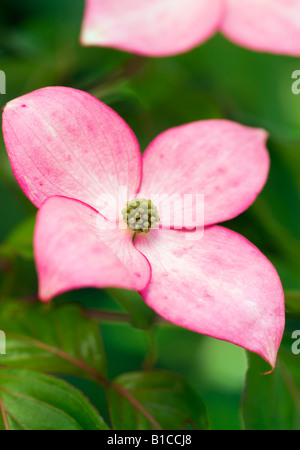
<point x="67" y="149"/>
<point x="167" y="27"/>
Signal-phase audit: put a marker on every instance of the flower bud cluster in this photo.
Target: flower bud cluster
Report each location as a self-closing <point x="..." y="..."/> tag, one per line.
<point x="140" y="215"/>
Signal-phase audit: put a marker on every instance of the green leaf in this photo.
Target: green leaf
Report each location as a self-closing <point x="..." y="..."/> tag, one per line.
<point x="51" y="339"/>
<point x="20" y="241"/>
<point x="141" y="315"/>
<point x="32" y="401"/>
<point x="292" y="301"/>
<point x="155" y="400"/>
<point x="272" y="402"/>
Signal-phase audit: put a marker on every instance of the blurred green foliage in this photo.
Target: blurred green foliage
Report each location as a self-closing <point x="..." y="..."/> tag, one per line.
<point x="39" y="47"/>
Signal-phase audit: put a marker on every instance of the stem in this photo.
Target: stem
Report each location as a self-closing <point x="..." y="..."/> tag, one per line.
<point x="7" y="267"/>
<point x="108" y="85"/>
<point x="107" y="316"/>
<point x="291" y="385"/>
<point x="293" y="295"/>
<point x="112" y="316"/>
<point x="151" y="356"/>
<point x="3" y="414"/>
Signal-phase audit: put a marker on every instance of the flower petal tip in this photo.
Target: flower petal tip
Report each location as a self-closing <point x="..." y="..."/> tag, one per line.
<point x="219" y="285"/>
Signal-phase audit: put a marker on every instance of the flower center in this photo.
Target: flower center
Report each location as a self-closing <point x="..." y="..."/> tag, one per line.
<point x="140" y="215"/>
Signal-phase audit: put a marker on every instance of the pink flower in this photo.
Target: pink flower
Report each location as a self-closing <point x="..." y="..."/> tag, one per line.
<point x="167" y="27"/>
<point x="67" y="148"/>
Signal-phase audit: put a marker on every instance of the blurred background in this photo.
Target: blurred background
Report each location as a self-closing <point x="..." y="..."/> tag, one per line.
<point x="39" y="46"/>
